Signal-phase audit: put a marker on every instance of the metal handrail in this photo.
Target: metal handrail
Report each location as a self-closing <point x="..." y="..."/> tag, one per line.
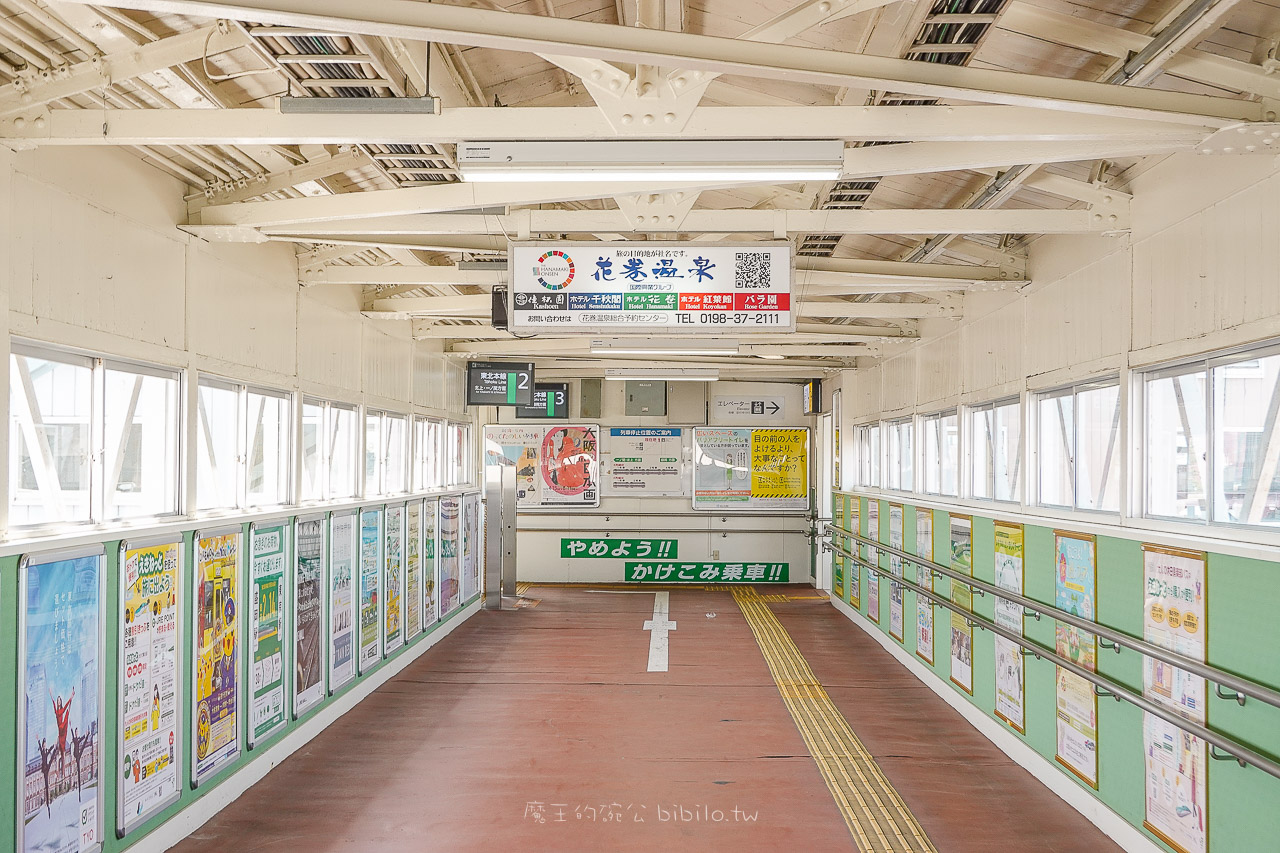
<point x="669" y="532"/>
<point x="1238" y="751"/>
<point x="577" y="512"/>
<point x="1225" y="679"/>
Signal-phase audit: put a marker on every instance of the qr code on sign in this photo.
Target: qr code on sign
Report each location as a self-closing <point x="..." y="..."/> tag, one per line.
<point x="751" y="270"/>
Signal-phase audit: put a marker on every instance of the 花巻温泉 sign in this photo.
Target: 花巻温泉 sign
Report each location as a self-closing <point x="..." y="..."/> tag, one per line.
<point x="667" y="287"/>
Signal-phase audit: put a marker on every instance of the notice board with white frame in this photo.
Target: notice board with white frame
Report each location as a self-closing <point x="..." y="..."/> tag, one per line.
<point x="751" y="468"/>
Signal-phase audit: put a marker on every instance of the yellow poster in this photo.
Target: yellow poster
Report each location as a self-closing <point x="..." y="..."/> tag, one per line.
<point x="780" y="464"/>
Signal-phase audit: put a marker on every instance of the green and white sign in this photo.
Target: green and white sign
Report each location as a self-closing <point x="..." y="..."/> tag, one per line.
<point x="658" y="571"/>
<point x="266" y="631"/>
<point x="635" y="549"/>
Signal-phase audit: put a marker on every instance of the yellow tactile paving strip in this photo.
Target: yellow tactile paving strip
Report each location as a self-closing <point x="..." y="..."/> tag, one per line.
<point x="875" y="813"/>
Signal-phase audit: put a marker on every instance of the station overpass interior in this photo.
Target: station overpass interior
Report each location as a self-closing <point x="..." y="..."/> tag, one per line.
<point x="581" y="425"/>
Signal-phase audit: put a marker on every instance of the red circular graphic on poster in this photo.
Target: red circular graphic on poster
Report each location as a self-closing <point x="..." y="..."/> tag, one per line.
<point x="567" y="453"/>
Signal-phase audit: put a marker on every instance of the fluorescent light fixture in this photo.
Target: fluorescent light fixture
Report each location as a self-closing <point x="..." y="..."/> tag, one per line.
<point x="663" y="374"/>
<point x="647" y="346"/>
<point x="659" y="161"/>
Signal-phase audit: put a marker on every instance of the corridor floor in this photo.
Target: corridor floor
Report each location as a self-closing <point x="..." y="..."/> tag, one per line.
<point x="542" y="729"/>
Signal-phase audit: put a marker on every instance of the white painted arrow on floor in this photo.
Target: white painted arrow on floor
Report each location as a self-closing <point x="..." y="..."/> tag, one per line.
<point x="658" y="627"/>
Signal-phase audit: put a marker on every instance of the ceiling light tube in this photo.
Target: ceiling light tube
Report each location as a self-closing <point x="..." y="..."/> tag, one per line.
<point x="641" y="346"/>
<point x="690" y="374"/>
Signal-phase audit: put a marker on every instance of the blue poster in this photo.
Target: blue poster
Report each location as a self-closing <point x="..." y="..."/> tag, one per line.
<point x="60" y="669"/>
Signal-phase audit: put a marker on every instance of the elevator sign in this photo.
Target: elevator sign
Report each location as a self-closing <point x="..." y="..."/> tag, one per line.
<point x="499" y="383"/>
<point x="643" y="287"/>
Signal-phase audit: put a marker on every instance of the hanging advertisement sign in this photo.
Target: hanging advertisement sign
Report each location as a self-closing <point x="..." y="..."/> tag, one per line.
<point x="60" y="723"/>
<point x="1175" y="618"/>
<point x="470" y="546"/>
<point x="750" y="468"/>
<point x="520" y="446"/>
<point x="450" y="568"/>
<point x="1076" y="592"/>
<point x="412" y="570"/>
<point x="1010" y="696"/>
<point x="499" y="383"/>
<point x="150" y="679"/>
<point x="851" y="545"/>
<point x="673" y="288"/>
<point x="431" y="610"/>
<point x="308" y="614"/>
<point x="268" y="554"/>
<point x="895" y="568"/>
<point x="393" y="581"/>
<point x="924" y="577"/>
<point x="370" y="601"/>
<point x="550" y="401"/>
<point x="342" y="573"/>
<point x="216" y="727"/>
<point x="645" y="461"/>
<point x="873" y="554"/>
<point x="961" y="541"/>
<point x="569" y="465"/>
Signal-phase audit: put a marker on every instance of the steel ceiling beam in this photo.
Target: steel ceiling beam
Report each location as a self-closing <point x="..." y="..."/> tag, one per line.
<point x="434" y="22"/>
<point x="246" y="126"/>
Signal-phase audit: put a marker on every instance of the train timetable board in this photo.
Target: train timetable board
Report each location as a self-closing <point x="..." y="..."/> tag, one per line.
<point x="673" y="288"/>
<point x="499" y="383"/>
<point x="753" y="468"/>
<point x="550" y="401"/>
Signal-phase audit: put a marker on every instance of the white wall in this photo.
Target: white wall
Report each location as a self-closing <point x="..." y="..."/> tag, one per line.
<point x="702" y="536"/>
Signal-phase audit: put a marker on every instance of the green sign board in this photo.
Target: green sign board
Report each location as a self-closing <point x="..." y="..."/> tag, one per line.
<point x="657" y="571"/>
<point x="635" y="549"/>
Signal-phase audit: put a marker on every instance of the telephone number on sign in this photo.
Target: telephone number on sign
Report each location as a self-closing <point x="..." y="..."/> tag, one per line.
<point x="772" y="319"/>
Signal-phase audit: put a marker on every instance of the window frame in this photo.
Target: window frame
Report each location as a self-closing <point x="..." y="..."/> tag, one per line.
<point x="291" y="452"/>
<point x="1073" y="391"/>
<point x="972" y="437"/>
<point x="893" y="455"/>
<point x="938" y="417"/>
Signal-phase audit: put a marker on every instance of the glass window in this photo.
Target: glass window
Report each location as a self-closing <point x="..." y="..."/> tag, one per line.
<point x="941" y="453"/>
<point x="343" y="440"/>
<point x="1098" y="448"/>
<point x="372" y="453"/>
<point x="982" y="451"/>
<point x="1246" y="443"/>
<point x="1056" y="443"/>
<point x="425" y="454"/>
<point x="395" y="438"/>
<point x="1177" y="445"/>
<point x="314" y="468"/>
<point x="1007" y="442"/>
<point x="901" y="455"/>
<point x="50" y="436"/>
<point x="459" y="437"/>
<point x="270" y="430"/>
<point x="217" y="445"/>
<point x="874" y="457"/>
<point x="141" y="441"/>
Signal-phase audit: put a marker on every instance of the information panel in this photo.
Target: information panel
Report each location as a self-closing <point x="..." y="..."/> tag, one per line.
<point x="393" y="581"/>
<point x="308" y="614"/>
<point x="266" y="631"/>
<point x="750" y="468"/>
<point x="370" y="588"/>
<point x="217" y="652"/>
<point x="499" y="383"/>
<point x="626" y="287"/>
<point x="962" y="595"/>
<point x="896" y="629"/>
<point x="342" y="573"/>
<point x="550" y="400"/>
<point x="645" y="461"/>
<point x="61" y="720"/>
<point x="1174" y="617"/>
<point x="556" y="466"/>
<point x="412" y="570"/>
<point x="1010" y="697"/>
<point x="150" y="679"/>
<point x="450" y="554"/>
<point x="430" y="563"/>
<point x="1076" y="593"/>
<point x="924" y="578"/>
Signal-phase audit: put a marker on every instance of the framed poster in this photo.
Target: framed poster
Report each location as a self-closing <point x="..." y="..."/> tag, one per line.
<point x="61" y="638"/>
<point x="369" y="603"/>
<point x="216" y="725"/>
<point x="430" y="562"/>
<point x="342" y="604"/>
<point x="308" y="613"/>
<point x="750" y="468"/>
<point x="393" y="581"/>
<point x="471" y="546"/>
<point x="896" y="629"/>
<point x="837" y="559"/>
<point x="450" y="559"/>
<point x="1010" y="696"/>
<point x="873" y="554"/>
<point x="1175" y="617"/>
<point x="961" y="541"/>
<point x="268" y="556"/>
<point x="1076" y="585"/>
<point x="645" y="461"/>
<point x="851" y="545"/>
<point x="519" y="445"/>
<point x="150" y="679"/>
<point x="569" y="466"/>
<point x="412" y="570"/>
<point x="924" y="577"/>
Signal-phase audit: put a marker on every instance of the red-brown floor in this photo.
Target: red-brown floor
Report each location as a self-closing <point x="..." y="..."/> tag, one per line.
<point x="540" y="729"/>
